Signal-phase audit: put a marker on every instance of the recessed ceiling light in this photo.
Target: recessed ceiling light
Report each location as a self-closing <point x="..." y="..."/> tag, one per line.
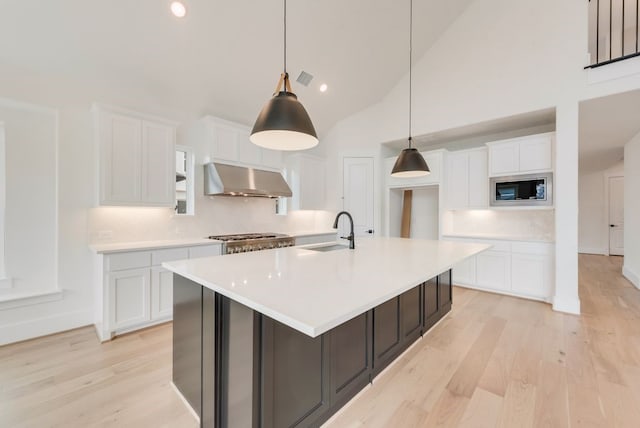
<point x="178" y="9"/>
<point x="323" y="87"/>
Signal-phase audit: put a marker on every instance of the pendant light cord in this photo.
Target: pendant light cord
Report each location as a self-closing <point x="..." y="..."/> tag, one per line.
<point x="285" y="37"/>
<point x="410" y="61"/>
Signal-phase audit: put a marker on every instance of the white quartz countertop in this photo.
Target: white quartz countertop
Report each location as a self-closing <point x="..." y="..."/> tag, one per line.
<point x="314" y="291"/>
<point x="118" y="247"/>
<point x="496" y="237"/>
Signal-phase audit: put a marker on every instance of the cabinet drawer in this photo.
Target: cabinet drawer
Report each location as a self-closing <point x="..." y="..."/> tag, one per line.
<point x="170" y="254"/>
<point x="541" y="248"/>
<point x="136" y="259"/>
<point x="205" y="251"/>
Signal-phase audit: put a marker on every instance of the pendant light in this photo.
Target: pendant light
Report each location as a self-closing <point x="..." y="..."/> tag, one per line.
<point x="410" y="163"/>
<point x="283" y="123"/>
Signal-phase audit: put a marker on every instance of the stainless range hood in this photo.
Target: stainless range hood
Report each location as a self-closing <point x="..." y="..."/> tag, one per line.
<point x="229" y="180"/>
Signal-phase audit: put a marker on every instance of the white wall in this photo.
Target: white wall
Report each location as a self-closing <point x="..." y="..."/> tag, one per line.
<point x="500" y="58"/>
<point x="593" y="235"/>
<point x="631" y="269"/>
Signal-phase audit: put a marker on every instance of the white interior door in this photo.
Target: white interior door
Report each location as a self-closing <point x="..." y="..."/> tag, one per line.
<point x="616" y="216"/>
<point x="358" y="194"/>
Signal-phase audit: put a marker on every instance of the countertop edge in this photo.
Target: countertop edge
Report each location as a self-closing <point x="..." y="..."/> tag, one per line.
<point x="121" y="247"/>
<point x="499" y="238"/>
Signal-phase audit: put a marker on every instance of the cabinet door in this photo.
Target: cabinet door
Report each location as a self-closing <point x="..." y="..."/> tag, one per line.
<point x="272" y="158"/>
<point x="465" y="272"/>
<point x="225" y="142"/>
<point x="351" y="357"/>
<point x="478" y="179"/>
<point x="431" y="303"/>
<point x="129" y="296"/>
<point x="536" y="153"/>
<point x="504" y="158"/>
<point x="445" y="293"/>
<point x="161" y="293"/>
<point x="387" y="340"/>
<point x="458" y="180"/>
<point x="120" y="145"/>
<point x="248" y="153"/>
<point x="158" y="164"/>
<point x="531" y="275"/>
<point x="411" y="307"/>
<point x="493" y="270"/>
<point x="295" y="385"/>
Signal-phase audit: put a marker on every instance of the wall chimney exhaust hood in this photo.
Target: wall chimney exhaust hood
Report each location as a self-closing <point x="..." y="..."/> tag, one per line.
<point x="229" y="180"/>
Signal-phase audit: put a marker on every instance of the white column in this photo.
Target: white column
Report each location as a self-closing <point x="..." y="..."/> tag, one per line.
<point x="566" y="201"/>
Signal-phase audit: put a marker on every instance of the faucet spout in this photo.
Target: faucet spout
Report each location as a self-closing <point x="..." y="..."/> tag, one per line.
<point x="351" y="238"/>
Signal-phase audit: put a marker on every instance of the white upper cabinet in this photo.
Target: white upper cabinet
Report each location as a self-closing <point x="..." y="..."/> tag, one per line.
<point x="523" y="155"/>
<point x="158" y="163"/>
<point x="306" y="177"/>
<point x="136" y="158"/>
<point x="434" y="160"/>
<point x="229" y="142"/>
<point x="467" y="179"/>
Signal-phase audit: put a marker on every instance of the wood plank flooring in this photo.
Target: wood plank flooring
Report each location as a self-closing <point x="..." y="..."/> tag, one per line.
<point x="495" y="361"/>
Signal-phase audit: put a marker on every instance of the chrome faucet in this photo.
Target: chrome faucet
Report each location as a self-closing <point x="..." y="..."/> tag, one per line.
<point x="351" y="238"/>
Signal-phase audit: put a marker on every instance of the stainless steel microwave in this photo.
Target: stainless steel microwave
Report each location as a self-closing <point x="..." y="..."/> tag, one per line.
<point x="522" y="190"/>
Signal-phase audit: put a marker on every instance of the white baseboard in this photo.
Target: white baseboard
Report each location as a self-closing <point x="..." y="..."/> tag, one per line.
<point x="569" y="305"/>
<point x="591" y="250"/>
<point x="631" y="276"/>
<point x="30" y="329"/>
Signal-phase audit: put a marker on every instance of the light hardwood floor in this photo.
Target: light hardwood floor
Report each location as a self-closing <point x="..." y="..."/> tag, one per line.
<point x="494" y="361"/>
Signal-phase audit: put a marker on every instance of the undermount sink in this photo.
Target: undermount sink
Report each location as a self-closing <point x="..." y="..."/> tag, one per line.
<point x="331" y="247"/>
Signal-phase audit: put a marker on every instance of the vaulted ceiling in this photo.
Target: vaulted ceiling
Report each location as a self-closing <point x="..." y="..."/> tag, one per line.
<point x="224" y="58"/>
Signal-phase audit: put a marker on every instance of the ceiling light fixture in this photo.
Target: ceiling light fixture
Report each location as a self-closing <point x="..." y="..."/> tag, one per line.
<point x="283" y="123"/>
<point x="178" y="9"/>
<point x="323" y="87"/>
<point x="410" y="163"/>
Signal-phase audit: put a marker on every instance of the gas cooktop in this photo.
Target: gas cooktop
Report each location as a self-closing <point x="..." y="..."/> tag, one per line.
<point x="247" y="236"/>
<point x="245" y="242"/>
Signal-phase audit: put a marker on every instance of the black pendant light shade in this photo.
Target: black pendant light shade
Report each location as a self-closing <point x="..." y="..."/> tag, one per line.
<point x="409" y="164"/>
<point x="284" y="124"/>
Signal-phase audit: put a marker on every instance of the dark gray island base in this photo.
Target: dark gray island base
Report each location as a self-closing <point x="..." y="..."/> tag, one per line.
<point x="239" y="368"/>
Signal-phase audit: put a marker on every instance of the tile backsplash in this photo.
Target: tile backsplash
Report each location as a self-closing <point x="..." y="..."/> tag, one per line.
<point x="214" y="215"/>
<point x="515" y="224"/>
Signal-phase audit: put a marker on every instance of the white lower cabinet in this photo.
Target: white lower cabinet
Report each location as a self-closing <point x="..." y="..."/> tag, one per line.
<point x="161" y="293"/>
<point x="137" y="291"/>
<point x="532" y="275"/>
<point x="465" y="272"/>
<point x="493" y="270"/>
<point x="129" y="292"/>
<point x="518" y="268"/>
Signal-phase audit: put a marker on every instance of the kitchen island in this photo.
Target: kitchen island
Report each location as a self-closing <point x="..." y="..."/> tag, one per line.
<point x="286" y="337"/>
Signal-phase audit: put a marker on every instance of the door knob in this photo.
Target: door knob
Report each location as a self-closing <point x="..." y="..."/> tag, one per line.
<point x="370" y="231"/>
<point x="612" y="225"/>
